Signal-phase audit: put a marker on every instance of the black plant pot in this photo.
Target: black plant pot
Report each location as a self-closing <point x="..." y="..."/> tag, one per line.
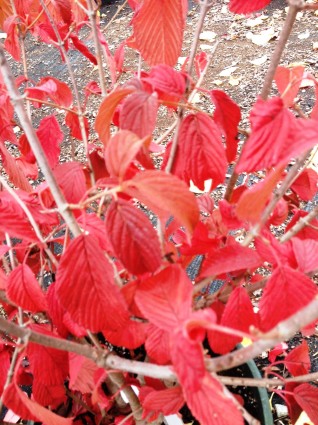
<point x="256" y="400"/>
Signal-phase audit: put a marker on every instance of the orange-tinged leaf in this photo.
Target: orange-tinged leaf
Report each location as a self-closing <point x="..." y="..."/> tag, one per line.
<point x="288" y="82"/>
<point x="134" y="240"/>
<point x="5" y="11"/>
<point x="85" y="286"/>
<point x="252" y="202"/>
<point x="158" y="30"/>
<point x="106" y="112"/>
<point x="286" y="292"/>
<point x="121" y="150"/>
<point x="21" y="405"/>
<point x="24" y="290"/>
<point x="165" y="299"/>
<point x="164" y="193"/>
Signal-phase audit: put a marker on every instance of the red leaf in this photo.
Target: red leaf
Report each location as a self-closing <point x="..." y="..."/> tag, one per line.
<point x="238" y="314"/>
<point x="288" y="82"/>
<point x="72" y="121"/>
<point x="4" y="367"/>
<point x="21" y="405"/>
<point x="133" y="238"/>
<point x="106" y="112"/>
<point x="50" y="369"/>
<point x="306" y="184"/>
<point x="164" y="193"/>
<point x="306" y="396"/>
<point x="286" y="292"/>
<point x="82" y="372"/>
<point x="210" y="401"/>
<point x="50" y="136"/>
<point x="13" y="219"/>
<point x="306" y="253"/>
<point x="12" y="43"/>
<point x="61" y="10"/>
<point x="121" y="151"/>
<point x="167" y="82"/>
<point x="202" y="150"/>
<point x="252" y="202"/>
<point x="158" y="345"/>
<point x="308" y="232"/>
<point x="298" y="360"/>
<point x="85" y="286"/>
<point x="167" y="402"/>
<point x="41" y="91"/>
<point x="59" y="316"/>
<point x="131" y="335"/>
<point x="166" y="298"/>
<point x="247" y="6"/>
<point x="227" y="115"/>
<point x="50" y="87"/>
<point x="231" y="258"/>
<point x="71" y="178"/>
<point x="81" y="47"/>
<point x="15" y="172"/>
<point x="187" y="359"/>
<point x="276" y="136"/>
<point x="158" y="30"/>
<point x="24" y="290"/>
<point x="139" y="113"/>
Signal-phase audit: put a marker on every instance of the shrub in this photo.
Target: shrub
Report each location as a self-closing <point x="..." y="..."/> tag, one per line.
<point x="95" y="251"/>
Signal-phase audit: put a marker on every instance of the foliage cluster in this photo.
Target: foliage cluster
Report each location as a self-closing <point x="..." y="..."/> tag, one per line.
<point x="118" y="280"/>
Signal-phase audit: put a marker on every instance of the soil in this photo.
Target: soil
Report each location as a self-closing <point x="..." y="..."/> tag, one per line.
<point x="238" y="67"/>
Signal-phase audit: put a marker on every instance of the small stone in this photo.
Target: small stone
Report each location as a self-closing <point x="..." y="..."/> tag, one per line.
<point x="281" y="410"/>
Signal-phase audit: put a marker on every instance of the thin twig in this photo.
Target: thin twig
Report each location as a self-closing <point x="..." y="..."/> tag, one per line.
<point x="301" y="223"/>
<point x="294" y="7"/>
<point x="98" y="50"/>
<point x="31" y="219"/>
<point x="35" y="144"/>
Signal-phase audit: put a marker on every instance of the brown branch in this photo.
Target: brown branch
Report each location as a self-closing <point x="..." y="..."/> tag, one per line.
<point x="283" y="331"/>
<point x="294" y="7"/>
<point x="98" y="50"/>
<point x="35" y="144"/>
<point x="301" y="223"/>
<point x="292" y="175"/>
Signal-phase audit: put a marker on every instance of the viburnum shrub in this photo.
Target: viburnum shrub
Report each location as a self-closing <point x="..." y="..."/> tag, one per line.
<point x="121" y="317"/>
